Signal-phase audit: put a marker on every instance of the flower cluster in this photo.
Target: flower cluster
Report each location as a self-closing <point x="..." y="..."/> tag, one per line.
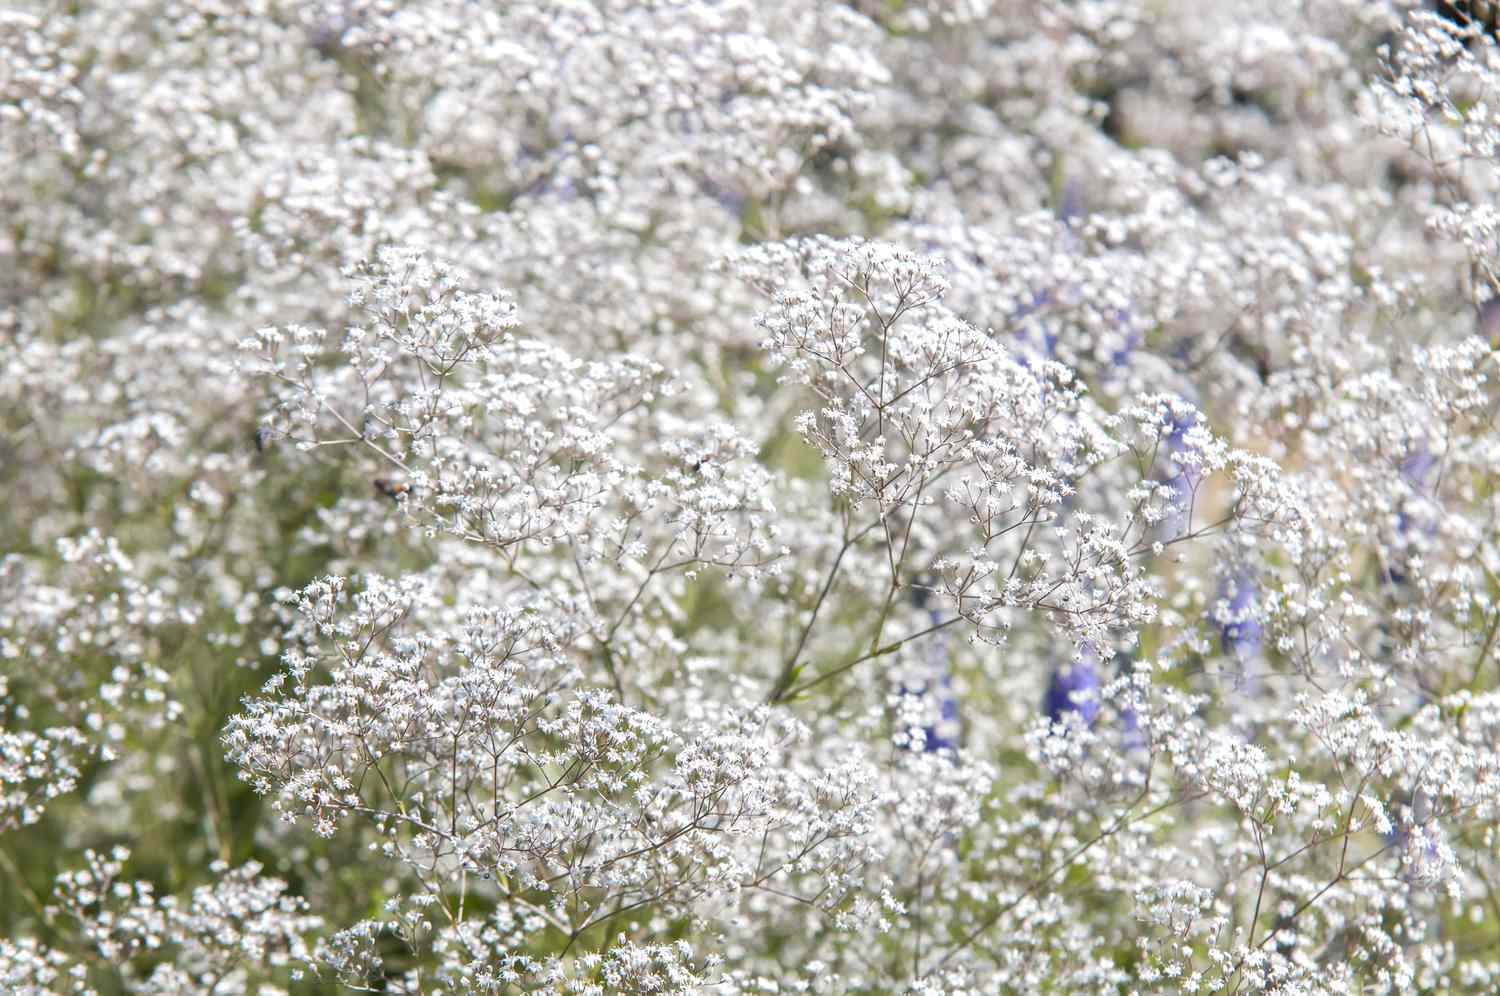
<point x="748" y="497"/>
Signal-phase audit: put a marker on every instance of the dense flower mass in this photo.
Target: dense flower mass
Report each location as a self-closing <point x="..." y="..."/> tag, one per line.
<point x="749" y="497"/>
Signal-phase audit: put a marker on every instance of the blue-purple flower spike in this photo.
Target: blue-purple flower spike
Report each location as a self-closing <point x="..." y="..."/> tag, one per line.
<point x="1236" y="614"/>
<point x="1489" y="321"/>
<point x="1179" y="520"/>
<point x="1411" y="528"/>
<point x="1074" y="687"/>
<point x="1070" y="205"/>
<point x="1417" y="464"/>
<point x="1124" y="323"/>
<point x="943" y="735"/>
<point x="1034" y="338"/>
<point x="935" y="680"/>
<point x="1414" y="816"/>
<point x="1131" y="735"/>
<point x="1239" y="630"/>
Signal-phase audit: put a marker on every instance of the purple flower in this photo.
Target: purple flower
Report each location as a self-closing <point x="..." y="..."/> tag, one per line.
<point x="731" y="201"/>
<point x="1179" y="519"/>
<point x="1131" y="736"/>
<point x="1240" y="632"/>
<point x="1414" y="835"/>
<point x="1489" y="321"/>
<point x="942" y="735"/>
<point x="934" y="682"/>
<point x="1074" y="688"/>
<point x="1070" y="205"/>
<point x="1034" y="337"/>
<point x="1122" y="320"/>
<point x="1236" y="615"/>
<point x="1414" y="523"/>
<point x="1417" y="464"/>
